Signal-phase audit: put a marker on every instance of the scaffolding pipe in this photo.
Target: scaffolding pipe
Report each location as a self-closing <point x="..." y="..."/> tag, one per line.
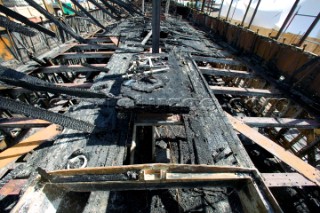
<point x="245" y="14"/>
<point x="220" y="8"/>
<point x="229" y="9"/>
<point x="142" y="6"/>
<point x="293" y="8"/>
<point x="314" y="23"/>
<point x="202" y="6"/>
<point x="254" y="13"/>
<point x="156" y="6"/>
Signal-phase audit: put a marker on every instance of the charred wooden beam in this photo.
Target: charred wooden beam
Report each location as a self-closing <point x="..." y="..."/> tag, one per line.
<point x="15" y="27"/>
<point x="34" y="112"/>
<point x="25" y="20"/>
<point x="77" y="55"/>
<point x="56" y="21"/>
<point x="217" y="60"/>
<point x="246" y="91"/>
<point x="71" y="68"/>
<point x="226" y="72"/>
<point x="279" y="122"/>
<point x="22" y="123"/>
<point x="19" y="79"/>
<point x="103" y="9"/>
<point x="88" y="14"/>
<point x="112" y="8"/>
<point x="103" y="46"/>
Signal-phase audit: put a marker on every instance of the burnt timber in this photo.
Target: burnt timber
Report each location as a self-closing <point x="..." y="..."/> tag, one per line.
<point x="132" y="130"/>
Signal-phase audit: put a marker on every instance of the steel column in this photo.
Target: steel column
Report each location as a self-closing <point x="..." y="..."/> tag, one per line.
<point x="220" y="8"/>
<point x="156" y="7"/>
<point x="229" y="10"/>
<point x="202" y="6"/>
<point x="314" y="23"/>
<point x="254" y="13"/>
<point x="295" y="5"/>
<point x="245" y="14"/>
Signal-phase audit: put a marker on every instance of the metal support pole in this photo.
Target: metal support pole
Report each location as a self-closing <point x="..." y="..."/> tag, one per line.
<point x="254" y="13"/>
<point x="156" y="6"/>
<point x="314" y="23"/>
<point x="229" y="10"/>
<point x="220" y="8"/>
<point x="202" y="6"/>
<point x="293" y="8"/>
<point x="142" y="6"/>
<point x="167" y="7"/>
<point x="245" y="14"/>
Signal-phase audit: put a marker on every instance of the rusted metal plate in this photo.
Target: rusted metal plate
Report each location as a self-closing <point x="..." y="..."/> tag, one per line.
<point x="287" y="157"/>
<point x="285" y="180"/>
<point x="13" y="187"/>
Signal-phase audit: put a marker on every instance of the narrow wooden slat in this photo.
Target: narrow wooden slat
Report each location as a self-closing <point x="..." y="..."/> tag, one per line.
<point x="13" y="153"/>
<point x="285" y="180"/>
<point x="279" y="122"/>
<point x="70" y="68"/>
<point x="217" y="60"/>
<point x="245" y="91"/>
<point x="75" y="55"/>
<point x="226" y="73"/>
<point x="23" y="123"/>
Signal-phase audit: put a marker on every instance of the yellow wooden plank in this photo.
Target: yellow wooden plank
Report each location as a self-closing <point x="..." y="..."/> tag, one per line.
<point x="28" y="144"/>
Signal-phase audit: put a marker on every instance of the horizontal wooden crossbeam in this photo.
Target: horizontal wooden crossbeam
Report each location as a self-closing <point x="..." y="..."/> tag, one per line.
<point x="280" y="122"/>
<point x="77" y="55"/>
<point x="70" y="68"/>
<point x="217" y="60"/>
<point x="22" y="123"/>
<point x="226" y="73"/>
<point x="246" y="91"/>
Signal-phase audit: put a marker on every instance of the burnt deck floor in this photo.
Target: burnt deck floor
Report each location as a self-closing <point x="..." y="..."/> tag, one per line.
<point x="202" y="136"/>
<point x="204" y="131"/>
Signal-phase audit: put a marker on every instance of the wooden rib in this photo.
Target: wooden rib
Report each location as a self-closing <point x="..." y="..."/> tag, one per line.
<point x="226" y="73"/>
<point x="245" y="91"/>
<point x="70" y="68"/>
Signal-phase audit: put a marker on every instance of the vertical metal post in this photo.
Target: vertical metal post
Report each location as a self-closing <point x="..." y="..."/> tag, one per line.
<point x="245" y="14"/>
<point x="254" y="13"/>
<point x="142" y="6"/>
<point x="220" y="8"/>
<point x="306" y="34"/>
<point x="293" y="8"/>
<point x="229" y="10"/>
<point x="156" y="6"/>
<point x="202" y="6"/>
<point x="167" y="7"/>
